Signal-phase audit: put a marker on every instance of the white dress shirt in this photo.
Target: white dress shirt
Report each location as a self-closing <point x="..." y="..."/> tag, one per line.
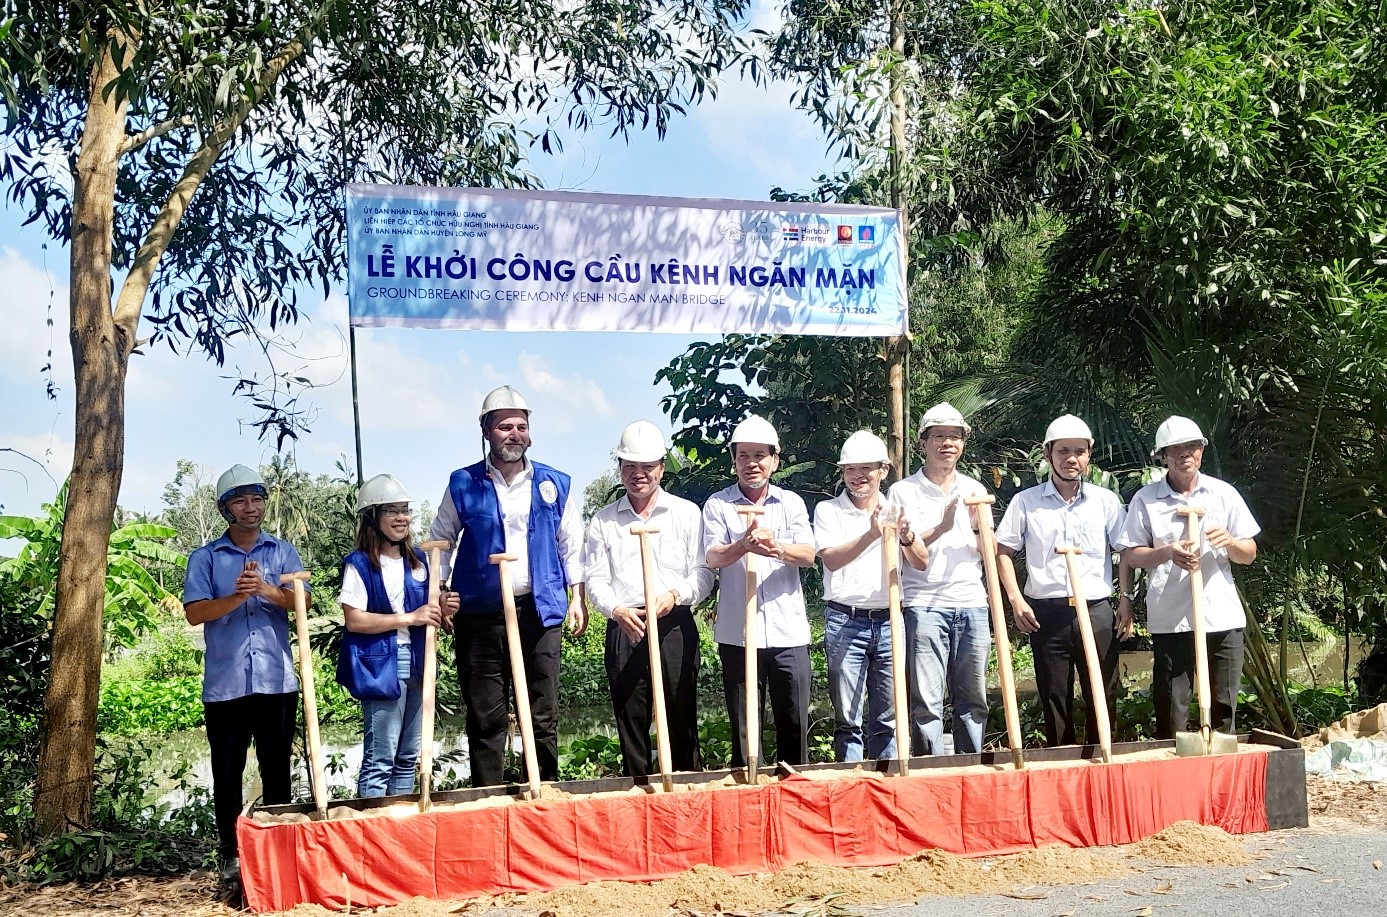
<point x="1038" y="520"/>
<point x="612" y="555"/>
<point x="1152" y="522"/>
<point x="953" y="578"/>
<point x="860" y="582"/>
<point x="781" y="617"/>
<point x="514" y="499"/>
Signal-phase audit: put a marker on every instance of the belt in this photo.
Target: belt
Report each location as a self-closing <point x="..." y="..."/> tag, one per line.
<point x="1065" y="602"/>
<point x="853" y="611"/>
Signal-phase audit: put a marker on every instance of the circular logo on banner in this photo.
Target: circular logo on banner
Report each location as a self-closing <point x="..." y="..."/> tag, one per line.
<point x="548" y="492"/>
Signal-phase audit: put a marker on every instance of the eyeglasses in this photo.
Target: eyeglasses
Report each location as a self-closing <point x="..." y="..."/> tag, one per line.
<point x="392" y="512"/>
<point x="946" y="437"/>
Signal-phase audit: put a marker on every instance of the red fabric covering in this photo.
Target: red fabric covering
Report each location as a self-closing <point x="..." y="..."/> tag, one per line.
<point x="862" y="822"/>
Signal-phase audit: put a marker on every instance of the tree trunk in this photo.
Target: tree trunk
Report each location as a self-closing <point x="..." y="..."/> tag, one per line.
<point x="100" y="353"/>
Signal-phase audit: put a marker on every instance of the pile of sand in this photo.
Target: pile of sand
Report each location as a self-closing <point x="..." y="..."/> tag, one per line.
<point x="708" y="890"/>
<point x="1058" y="866"/>
<point x="1188" y="843"/>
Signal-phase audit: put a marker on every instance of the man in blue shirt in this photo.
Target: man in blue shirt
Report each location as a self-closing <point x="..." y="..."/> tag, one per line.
<point x="249" y="689"/>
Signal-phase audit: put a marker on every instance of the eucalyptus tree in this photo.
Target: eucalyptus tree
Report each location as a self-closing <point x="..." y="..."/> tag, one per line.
<point x="192" y="154"/>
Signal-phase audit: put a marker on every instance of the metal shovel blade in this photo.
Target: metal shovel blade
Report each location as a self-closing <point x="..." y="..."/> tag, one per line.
<point x="1204" y="742"/>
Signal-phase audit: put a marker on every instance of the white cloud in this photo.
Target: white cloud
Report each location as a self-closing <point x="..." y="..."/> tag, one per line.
<point x="25" y="299"/>
<point x="577" y="398"/>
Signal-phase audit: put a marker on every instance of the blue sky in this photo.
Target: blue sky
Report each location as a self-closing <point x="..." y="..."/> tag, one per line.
<point x="420" y="389"/>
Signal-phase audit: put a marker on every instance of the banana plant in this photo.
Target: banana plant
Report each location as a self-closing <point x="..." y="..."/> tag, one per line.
<point x="136" y="599"/>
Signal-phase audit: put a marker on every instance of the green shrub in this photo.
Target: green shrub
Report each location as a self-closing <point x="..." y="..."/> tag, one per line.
<point x="155" y="706"/>
<point x="127" y="834"/>
<point x="589" y="758"/>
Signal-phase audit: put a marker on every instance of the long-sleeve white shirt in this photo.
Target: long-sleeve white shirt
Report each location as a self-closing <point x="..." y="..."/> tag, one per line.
<point x="612" y="554"/>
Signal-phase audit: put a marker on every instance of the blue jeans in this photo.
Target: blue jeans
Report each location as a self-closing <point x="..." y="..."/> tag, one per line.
<point x="947" y="644"/>
<point x="390" y="746"/>
<point x="859" y="674"/>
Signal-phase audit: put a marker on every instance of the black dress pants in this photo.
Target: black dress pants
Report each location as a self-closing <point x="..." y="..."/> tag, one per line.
<point x="628" y="674"/>
<point x="268" y="720"/>
<point x="1172" y="680"/>
<point x="484" y="677"/>
<point x="784" y="674"/>
<point x="1059" y="656"/>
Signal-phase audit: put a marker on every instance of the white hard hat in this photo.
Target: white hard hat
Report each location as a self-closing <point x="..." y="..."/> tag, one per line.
<point x="383" y="488"/>
<point x="1178" y="430"/>
<point x="1067" y="426"/>
<point x="756" y="429"/>
<point x="236" y="477"/>
<point x="863" y="448"/>
<point x="641" y="441"/>
<point x="944" y="414"/>
<point x="501" y="399"/>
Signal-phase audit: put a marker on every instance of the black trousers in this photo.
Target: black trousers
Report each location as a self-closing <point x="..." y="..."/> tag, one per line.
<point x="268" y="720"/>
<point x="485" y="680"/>
<point x="1172" y="680"/>
<point x="628" y="674"/>
<point x="784" y="675"/>
<point x="1059" y="656"/>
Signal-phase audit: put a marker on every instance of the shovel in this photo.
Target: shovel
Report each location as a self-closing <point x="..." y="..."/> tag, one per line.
<point x="519" y="682"/>
<point x="987" y="547"/>
<point x="1205" y="741"/>
<point x="750" y="640"/>
<point x="430" y="686"/>
<point x="652" y="639"/>
<point x="1097" y="696"/>
<point x="892" y="559"/>
<point x="310" y="694"/>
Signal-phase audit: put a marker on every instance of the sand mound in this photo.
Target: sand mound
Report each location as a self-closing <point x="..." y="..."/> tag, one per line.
<point x="1188" y="843"/>
<point x="1057" y="865"/>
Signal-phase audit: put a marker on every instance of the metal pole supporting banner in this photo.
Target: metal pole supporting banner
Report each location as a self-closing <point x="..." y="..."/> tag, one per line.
<point x="356" y="403"/>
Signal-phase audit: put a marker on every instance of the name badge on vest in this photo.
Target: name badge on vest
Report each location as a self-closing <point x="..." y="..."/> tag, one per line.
<point x="548" y="492"/>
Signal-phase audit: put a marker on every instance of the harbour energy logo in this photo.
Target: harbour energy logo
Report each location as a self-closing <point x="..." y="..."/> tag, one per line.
<point x="790" y="233"/>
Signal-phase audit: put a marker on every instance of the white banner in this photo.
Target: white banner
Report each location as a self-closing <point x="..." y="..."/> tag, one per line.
<point x="485" y="259"/>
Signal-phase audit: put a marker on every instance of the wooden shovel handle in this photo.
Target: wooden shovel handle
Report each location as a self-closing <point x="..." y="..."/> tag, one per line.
<point x="310" y="692"/>
<point x="519" y="682"/>
<point x="987" y="547"/>
<point x="1096" y="692"/>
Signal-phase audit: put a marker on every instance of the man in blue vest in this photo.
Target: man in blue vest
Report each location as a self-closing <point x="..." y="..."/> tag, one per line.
<point x="507" y="503"/>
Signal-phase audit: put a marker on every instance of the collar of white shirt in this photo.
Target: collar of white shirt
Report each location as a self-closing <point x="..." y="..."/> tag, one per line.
<point x="526" y="470"/>
<point x="623" y="506"/>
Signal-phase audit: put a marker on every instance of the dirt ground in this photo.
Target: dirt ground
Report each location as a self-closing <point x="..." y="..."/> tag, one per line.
<point x="801" y="888"/>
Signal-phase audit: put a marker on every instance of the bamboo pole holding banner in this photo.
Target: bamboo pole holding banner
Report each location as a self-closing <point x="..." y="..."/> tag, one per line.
<point x="898" y="346"/>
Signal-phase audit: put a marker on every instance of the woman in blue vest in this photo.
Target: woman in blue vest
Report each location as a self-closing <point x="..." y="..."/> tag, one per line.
<point x="384" y="598"/>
